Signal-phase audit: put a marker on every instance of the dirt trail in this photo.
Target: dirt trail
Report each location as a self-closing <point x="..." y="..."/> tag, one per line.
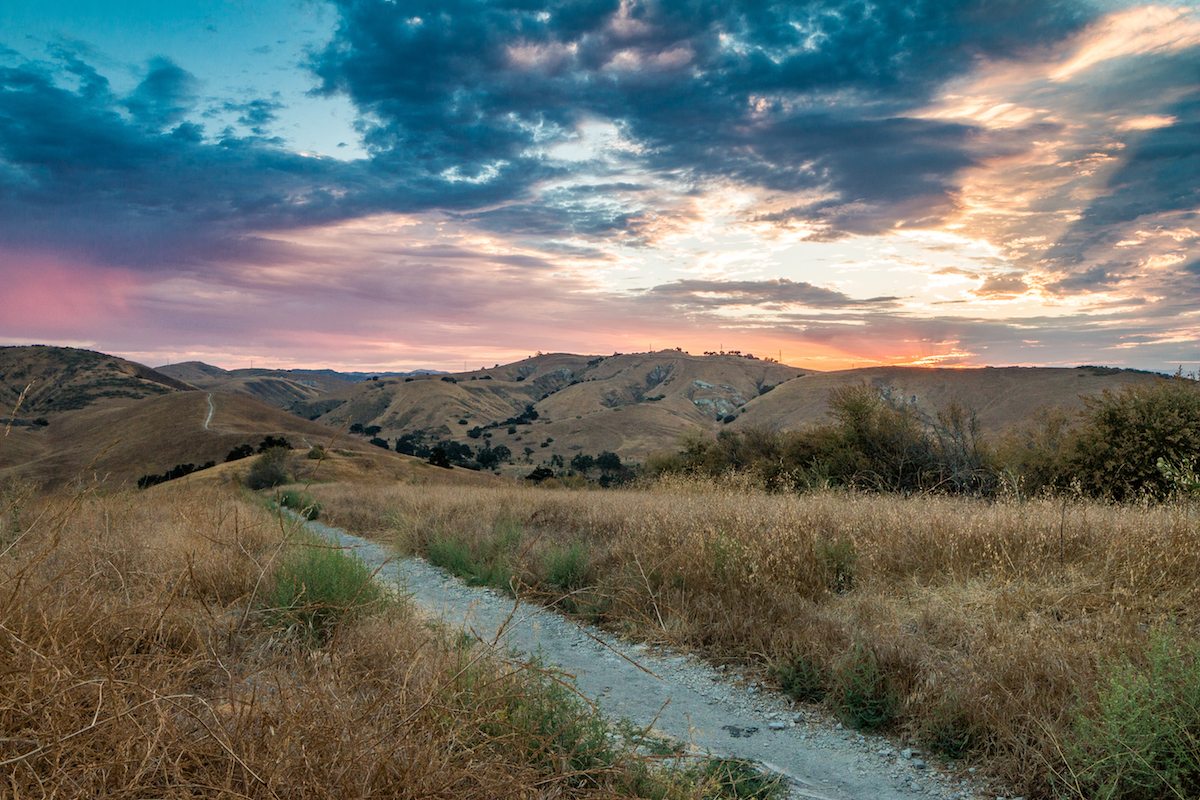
<point x="679" y="695"/>
<point x="212" y="409"/>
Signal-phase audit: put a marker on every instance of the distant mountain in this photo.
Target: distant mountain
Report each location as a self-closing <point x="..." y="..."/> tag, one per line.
<point x="562" y="404"/>
<point x="559" y="403"/>
<point x="58" y="379"/>
<point x="279" y="387"/>
<point x="86" y="411"/>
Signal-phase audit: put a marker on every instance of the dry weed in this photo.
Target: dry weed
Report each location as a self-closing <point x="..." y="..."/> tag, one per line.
<point x="991" y="621"/>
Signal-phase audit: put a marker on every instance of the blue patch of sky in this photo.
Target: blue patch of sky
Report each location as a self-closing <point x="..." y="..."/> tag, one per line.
<point x="238" y="50"/>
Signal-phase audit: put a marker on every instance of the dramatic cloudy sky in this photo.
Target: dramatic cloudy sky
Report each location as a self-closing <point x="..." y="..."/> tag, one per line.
<point x="405" y="183"/>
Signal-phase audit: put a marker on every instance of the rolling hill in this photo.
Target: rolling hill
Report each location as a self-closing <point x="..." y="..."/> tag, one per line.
<point x="1001" y="397"/>
<point x="58" y="379"/>
<point x="279" y="387"/>
<point x="632" y="404"/>
<point x="101" y="418"/>
<point x="98" y="415"/>
<point x="635" y="404"/>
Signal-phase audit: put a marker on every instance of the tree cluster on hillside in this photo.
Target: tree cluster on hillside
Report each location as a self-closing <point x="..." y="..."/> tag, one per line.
<point x="1143" y="441"/>
<point x="177" y="471"/>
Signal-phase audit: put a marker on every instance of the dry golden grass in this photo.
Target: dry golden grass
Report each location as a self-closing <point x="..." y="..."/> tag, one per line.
<point x="990" y="620"/>
<point x="135" y="661"/>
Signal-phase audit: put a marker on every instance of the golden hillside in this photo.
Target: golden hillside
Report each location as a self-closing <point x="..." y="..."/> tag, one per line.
<point x="116" y="443"/>
<point x="628" y="403"/>
<point x="1002" y="397"/>
<point x="58" y="379"/>
<point x="280" y="388"/>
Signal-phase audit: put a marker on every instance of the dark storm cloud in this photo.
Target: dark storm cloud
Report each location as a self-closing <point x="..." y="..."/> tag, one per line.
<point x="787" y="96"/>
<point x="80" y="174"/>
<point x="164" y="96"/>
<point x="460" y="101"/>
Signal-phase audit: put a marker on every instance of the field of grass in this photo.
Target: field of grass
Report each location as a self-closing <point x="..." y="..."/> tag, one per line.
<point x="1052" y="642"/>
<point x="187" y="642"/>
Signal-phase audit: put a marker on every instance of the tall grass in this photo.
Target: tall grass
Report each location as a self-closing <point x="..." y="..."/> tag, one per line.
<point x="142" y="657"/>
<point x="978" y="629"/>
<point x="315" y="588"/>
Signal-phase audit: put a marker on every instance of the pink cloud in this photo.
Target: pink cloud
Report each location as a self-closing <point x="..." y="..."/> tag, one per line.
<point x="48" y="295"/>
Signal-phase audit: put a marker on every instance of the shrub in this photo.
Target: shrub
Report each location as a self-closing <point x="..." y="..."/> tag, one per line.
<point x="865" y="699"/>
<point x="736" y="779"/>
<point x="948" y="729"/>
<point x="566" y="568"/>
<point x="239" y="452"/>
<point x="302" y="503"/>
<point x="1118" y="447"/>
<point x="539" y="474"/>
<point x="316" y="452"/>
<point x="271" y="442"/>
<point x="315" y="588"/>
<point x="837" y="558"/>
<point x="1141" y="741"/>
<point x="177" y="471"/>
<point x="268" y="470"/>
<point x="802" y="678"/>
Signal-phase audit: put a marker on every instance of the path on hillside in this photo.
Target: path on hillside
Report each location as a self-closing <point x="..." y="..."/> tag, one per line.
<point x="212" y="409"/>
<point x="679" y="695"/>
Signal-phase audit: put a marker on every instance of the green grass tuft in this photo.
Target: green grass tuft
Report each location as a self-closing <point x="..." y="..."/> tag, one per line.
<point x="1141" y="740"/>
<point x="865" y="699"/>
<point x="802" y="678"/>
<point x="302" y="503"/>
<point x="566" y="568"/>
<point x="316" y="588"/>
<point x="735" y="779"/>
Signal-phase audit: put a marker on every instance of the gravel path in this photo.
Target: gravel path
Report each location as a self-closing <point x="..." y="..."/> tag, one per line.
<point x="212" y="409"/>
<point x="682" y="697"/>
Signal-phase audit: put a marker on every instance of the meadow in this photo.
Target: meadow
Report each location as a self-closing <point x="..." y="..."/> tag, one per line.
<point x="1052" y="642"/>
<point x="187" y="641"/>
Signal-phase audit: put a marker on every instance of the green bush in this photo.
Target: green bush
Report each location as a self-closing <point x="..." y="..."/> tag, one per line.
<point x="948" y="729"/>
<point x="873" y="442"/>
<point x="302" y="503"/>
<point x="566" y="568"/>
<point x="802" y="678"/>
<point x="865" y="698"/>
<point x="736" y="779"/>
<point x="1141" y="738"/>
<point x="316" y="453"/>
<point x="1124" y="435"/>
<point x="315" y="588"/>
<point x="269" y="469"/>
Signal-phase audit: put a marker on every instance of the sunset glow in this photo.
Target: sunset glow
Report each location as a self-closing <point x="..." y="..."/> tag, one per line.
<point x="370" y="185"/>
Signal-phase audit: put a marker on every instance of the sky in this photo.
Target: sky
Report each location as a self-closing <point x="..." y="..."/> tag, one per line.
<point x="398" y="184"/>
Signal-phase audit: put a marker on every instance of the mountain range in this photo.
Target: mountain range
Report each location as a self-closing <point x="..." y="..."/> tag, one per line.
<point x="72" y="414"/>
